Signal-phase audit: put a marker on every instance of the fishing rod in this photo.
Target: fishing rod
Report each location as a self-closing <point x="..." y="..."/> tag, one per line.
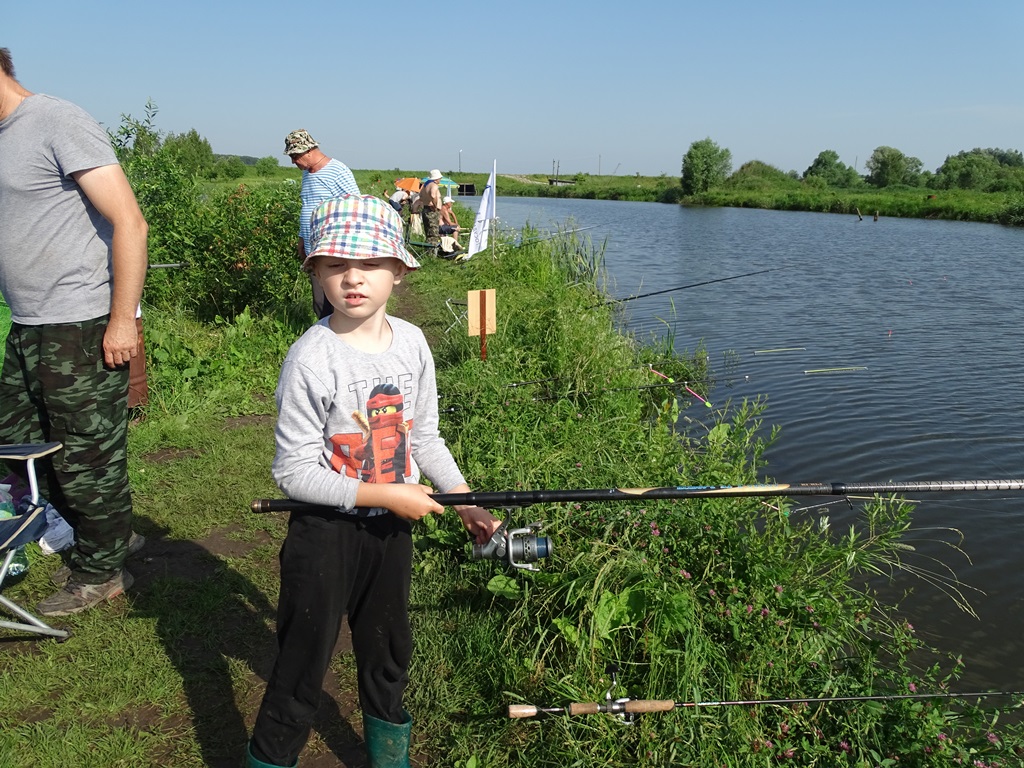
<point x="627" y="707"/>
<point x="508" y="499"/>
<point x="551" y="236"/>
<point x="691" y="285"/>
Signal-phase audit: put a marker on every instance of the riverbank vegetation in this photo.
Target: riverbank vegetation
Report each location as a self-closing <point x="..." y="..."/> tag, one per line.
<point x="705" y="600"/>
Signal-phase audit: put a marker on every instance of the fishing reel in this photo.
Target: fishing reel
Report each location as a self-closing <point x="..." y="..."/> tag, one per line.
<point x="520" y="547"/>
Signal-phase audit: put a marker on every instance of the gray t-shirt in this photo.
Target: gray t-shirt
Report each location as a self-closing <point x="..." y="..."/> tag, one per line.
<point x="346" y="416"/>
<point x="55" y="247"/>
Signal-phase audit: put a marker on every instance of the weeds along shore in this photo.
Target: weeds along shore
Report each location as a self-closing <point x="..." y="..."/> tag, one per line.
<point x="694" y="601"/>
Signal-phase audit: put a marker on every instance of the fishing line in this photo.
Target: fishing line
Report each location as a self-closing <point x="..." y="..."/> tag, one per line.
<point x="691" y="285"/>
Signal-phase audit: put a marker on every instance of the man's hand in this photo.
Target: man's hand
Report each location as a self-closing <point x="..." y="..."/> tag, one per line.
<point x="120" y="343"/>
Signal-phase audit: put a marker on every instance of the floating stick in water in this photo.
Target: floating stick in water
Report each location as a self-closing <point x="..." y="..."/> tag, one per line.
<point x="838" y="370"/>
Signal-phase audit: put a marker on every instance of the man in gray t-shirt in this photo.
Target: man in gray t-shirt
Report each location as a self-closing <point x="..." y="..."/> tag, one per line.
<point x="72" y="265"/>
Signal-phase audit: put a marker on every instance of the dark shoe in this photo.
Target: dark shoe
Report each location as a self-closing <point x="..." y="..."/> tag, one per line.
<point x="387" y="744"/>
<point x="74" y="597"/>
<point x="61" y="575"/>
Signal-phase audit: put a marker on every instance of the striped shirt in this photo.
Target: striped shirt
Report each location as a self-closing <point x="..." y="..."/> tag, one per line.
<point x="333" y="180"/>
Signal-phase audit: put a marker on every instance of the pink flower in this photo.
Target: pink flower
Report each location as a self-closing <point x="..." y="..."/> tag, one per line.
<point x="789" y="752"/>
<point x="992" y="738"/>
<point x="685" y="574"/>
<point x="912" y="687"/>
<point x="765" y="611"/>
<point x="844" y="746"/>
<point x="750" y="609"/>
<point x="778" y="589"/>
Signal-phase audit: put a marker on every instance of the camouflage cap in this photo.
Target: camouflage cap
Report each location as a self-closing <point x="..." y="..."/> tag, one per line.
<point x="297" y="142"/>
<point x="357" y="227"/>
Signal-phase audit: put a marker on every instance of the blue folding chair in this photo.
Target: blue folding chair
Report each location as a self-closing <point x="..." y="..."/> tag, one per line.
<point x="21" y="529"/>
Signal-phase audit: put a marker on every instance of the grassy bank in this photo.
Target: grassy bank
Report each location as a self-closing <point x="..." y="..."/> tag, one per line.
<point x="712" y="599"/>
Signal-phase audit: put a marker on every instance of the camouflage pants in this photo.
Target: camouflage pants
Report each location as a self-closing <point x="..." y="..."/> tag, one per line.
<point x="432" y="225"/>
<point x="54" y="386"/>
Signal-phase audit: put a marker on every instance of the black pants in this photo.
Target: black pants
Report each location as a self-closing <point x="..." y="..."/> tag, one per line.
<point x="331" y="566"/>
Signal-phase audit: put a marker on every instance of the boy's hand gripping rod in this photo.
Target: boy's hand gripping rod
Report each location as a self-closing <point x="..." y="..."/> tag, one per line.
<point x="500" y="499"/>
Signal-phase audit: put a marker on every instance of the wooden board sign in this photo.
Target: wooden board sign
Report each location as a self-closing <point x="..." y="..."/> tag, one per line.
<point x="481" y="312"/>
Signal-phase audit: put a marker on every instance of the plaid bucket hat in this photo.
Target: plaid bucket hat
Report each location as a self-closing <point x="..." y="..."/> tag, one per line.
<point x="357" y="227"/>
<point x="297" y="142"/>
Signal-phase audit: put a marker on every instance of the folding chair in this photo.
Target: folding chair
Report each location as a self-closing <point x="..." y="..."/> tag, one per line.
<point x="21" y="529"/>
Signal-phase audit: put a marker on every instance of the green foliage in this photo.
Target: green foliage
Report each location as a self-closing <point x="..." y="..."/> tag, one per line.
<point x="705" y="165"/>
<point x="190" y="151"/>
<point x="266" y="166"/>
<point x="985" y="170"/>
<point x="888" y="166"/>
<point x="828" y="168"/>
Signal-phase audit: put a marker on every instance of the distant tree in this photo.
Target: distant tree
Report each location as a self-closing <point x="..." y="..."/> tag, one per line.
<point x="229" y="167"/>
<point x="888" y="166"/>
<point x="705" y="165"/>
<point x="190" y="151"/>
<point x="967" y="170"/>
<point x="266" y="166"/>
<point x="828" y="168"/>
<point x="986" y="170"/>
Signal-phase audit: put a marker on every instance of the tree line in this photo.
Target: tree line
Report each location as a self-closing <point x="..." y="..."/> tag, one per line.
<point x="706" y="165"/>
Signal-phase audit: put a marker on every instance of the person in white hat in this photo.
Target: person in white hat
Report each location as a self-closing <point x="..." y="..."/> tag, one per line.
<point x="450" y="224"/>
<point x="430" y="198"/>
<point x="357" y="423"/>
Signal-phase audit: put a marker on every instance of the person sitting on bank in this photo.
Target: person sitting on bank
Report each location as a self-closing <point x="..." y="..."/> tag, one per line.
<point x="449" y="222"/>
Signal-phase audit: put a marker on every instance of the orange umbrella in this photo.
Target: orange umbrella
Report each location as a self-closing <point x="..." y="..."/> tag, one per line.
<point x="409" y="184"/>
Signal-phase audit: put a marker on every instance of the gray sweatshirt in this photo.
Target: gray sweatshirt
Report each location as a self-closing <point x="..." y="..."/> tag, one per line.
<point x="346" y="416"/>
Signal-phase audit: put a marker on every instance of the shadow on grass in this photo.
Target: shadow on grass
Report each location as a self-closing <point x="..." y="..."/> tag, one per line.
<point x="217" y="629"/>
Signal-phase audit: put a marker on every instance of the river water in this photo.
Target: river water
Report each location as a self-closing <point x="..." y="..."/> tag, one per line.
<point x="922" y="319"/>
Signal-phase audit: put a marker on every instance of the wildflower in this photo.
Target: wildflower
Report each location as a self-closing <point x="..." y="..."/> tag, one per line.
<point x="789" y="752"/>
<point x="664" y="550"/>
<point x="685" y="574"/>
<point x="912" y="687"/>
<point x="992" y="738"/>
<point x="711" y="593"/>
<point x="765" y="611"/>
<point x="810" y="609"/>
<point x="942" y="737"/>
<point x="778" y="589"/>
<point x="784" y="728"/>
<point x="844" y="746"/>
<point x="578" y="465"/>
<point x="750" y="609"/>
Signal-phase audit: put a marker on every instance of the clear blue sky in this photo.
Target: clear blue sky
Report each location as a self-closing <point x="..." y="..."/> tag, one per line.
<point x="610" y="87"/>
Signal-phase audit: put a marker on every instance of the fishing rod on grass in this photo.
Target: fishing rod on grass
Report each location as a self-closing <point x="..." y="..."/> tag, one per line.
<point x="628" y="708"/>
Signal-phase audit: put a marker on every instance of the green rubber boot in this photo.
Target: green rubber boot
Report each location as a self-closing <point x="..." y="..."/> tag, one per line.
<point x="387" y="744"/>
<point x="252" y="762"/>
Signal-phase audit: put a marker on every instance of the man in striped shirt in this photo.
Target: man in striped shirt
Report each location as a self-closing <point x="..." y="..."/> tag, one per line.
<point x="322" y="178"/>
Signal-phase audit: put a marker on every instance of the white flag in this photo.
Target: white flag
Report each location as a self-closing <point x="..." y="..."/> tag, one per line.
<point x="484" y="217"/>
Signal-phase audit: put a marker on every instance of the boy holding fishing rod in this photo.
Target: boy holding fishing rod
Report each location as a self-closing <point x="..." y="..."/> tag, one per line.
<point x="357" y="423"/>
